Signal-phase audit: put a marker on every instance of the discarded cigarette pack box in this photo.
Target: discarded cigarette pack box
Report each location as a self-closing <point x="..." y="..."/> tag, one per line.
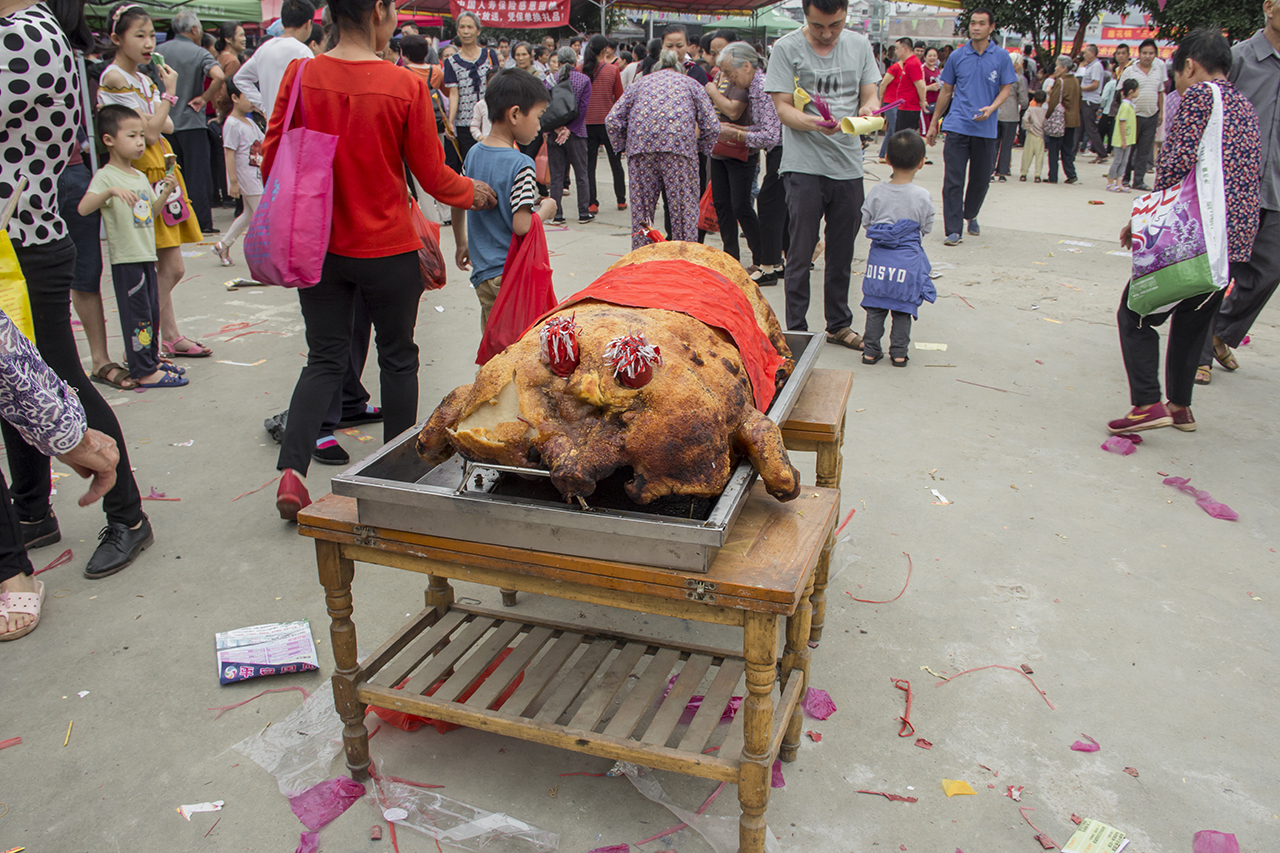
<point x="1093" y="836"/>
<point x="273" y="649"/>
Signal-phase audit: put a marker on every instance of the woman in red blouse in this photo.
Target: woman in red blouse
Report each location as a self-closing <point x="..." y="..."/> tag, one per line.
<point x="383" y="119"/>
<point x="606" y="89"/>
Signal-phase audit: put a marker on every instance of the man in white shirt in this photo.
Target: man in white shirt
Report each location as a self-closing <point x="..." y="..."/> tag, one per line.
<point x="259" y="78"/>
<point x="1092" y="79"/>
<point x="1150" y="73"/>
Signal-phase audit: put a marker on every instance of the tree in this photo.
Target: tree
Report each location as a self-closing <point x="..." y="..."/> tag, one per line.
<point x="1040" y="21"/>
<point x="1238" y="18"/>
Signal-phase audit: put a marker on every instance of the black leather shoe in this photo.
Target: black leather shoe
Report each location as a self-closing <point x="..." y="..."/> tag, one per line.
<point x="120" y="546"/>
<point x="331" y="455"/>
<point x="364" y="416"/>
<point x="38" y="534"/>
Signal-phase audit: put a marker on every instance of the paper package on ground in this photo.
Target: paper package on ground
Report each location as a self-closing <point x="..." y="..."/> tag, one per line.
<point x="1094" y="836"/>
<point x="276" y="648"/>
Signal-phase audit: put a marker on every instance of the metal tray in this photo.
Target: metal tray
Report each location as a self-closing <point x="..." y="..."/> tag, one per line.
<point x="519" y="508"/>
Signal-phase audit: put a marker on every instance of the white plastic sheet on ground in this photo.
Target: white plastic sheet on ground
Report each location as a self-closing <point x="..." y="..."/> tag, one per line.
<point x="299" y="749"/>
<point x="721" y="832"/>
<point x="460" y="825"/>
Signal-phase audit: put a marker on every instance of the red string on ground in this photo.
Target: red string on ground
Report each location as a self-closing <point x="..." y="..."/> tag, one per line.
<point x="896" y="597"/>
<point x="254" y="332"/>
<point x="13" y="741"/>
<point x="255" y="491"/>
<point x="679" y="826"/>
<point x="215" y="823"/>
<point x="1022" y="810"/>
<point x="961" y="298"/>
<point x="906" y="730"/>
<point x="223" y="709"/>
<point x="847" y="519"/>
<point x="1043" y="695"/>
<point x="375" y="731"/>
<point x="61" y="560"/>
<point x="898" y="798"/>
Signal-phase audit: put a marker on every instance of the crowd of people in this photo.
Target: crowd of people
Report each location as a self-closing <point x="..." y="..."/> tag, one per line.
<point x="483" y="133"/>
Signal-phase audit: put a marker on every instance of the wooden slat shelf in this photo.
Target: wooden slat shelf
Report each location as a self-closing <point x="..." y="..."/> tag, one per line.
<point x="586" y="690"/>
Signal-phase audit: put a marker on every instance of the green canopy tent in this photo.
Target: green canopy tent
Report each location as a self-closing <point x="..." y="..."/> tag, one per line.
<point x="774" y="23"/>
<point x="210" y="11"/>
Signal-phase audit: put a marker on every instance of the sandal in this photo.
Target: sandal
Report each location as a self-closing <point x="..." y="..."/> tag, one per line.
<point x="1204" y="375"/>
<point x="170" y="349"/>
<point x="224" y="253"/>
<point x="1223" y="354"/>
<point x="170" y="367"/>
<point x="22" y="602"/>
<point x="169" y="380"/>
<point x="900" y="362"/>
<point x="845" y="337"/>
<point x="109" y="374"/>
<point x="871" y="359"/>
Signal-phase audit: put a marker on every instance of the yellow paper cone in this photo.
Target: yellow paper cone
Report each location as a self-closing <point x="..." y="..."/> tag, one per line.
<point x="801" y="97"/>
<point x="861" y="125"/>
<point x="952" y="787"/>
<point x="13" y="289"/>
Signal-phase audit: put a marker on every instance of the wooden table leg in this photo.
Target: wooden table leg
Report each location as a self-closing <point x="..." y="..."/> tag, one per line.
<point x="759" y="645"/>
<point x="819" y="597"/>
<point x="439" y="594"/>
<point x="508" y="597"/>
<point x="336" y="574"/>
<point x="795" y="664"/>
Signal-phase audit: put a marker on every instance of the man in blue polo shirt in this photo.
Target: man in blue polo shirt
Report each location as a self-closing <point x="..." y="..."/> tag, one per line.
<point x="976" y="80"/>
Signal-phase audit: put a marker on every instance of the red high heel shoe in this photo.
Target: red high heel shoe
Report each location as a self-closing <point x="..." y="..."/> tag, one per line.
<point x="291" y="496"/>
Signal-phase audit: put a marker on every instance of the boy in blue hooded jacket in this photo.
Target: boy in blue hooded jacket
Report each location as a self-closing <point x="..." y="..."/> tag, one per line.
<point x="897" y="214"/>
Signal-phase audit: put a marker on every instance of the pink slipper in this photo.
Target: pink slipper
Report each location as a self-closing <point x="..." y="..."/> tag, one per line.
<point x="170" y="349"/>
<point x="22" y="602"/>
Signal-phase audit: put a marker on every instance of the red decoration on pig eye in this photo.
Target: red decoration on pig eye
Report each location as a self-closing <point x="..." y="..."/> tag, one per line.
<point x="558" y="341"/>
<point x="632" y="359"/>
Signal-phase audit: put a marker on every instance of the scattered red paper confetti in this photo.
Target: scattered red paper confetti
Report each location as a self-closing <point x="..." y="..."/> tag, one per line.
<point x="13" y="741"/>
<point x="816" y="737"/>
<point x="1131" y="771"/>
<point x="158" y="496"/>
<point x="1081" y="746"/>
<point x="896" y="597"/>
<point x="1076" y="819"/>
<point x="1038" y="361"/>
<point x="224" y="708"/>
<point x="902" y="847"/>
<point x="923" y="744"/>
<point x="962" y="299"/>
<point x="906" y="729"/>
<point x="61" y="560"/>
<point x="1014" y="793"/>
<point x="375" y="833"/>
<point x="1045" y="841"/>
<point x="1028" y="670"/>
<point x="897" y="798"/>
<point x="1043" y="695"/>
<point x="847" y="519"/>
<point x="990" y="786"/>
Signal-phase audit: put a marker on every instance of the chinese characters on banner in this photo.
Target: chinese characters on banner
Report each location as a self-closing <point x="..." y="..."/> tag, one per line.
<point x="530" y="14"/>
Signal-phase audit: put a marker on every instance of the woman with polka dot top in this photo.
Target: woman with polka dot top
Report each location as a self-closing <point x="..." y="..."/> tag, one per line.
<point x="39" y="115"/>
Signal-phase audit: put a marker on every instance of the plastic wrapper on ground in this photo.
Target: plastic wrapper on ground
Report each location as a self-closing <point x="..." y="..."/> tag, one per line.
<point x="1203" y="499"/>
<point x="1212" y="841"/>
<point x="817" y="704"/>
<point x="1119" y="444"/>
<point x="460" y="825"/>
<point x="308" y="843"/>
<point x="317" y="806"/>
<point x="298" y="749"/>
<point x="720" y="832"/>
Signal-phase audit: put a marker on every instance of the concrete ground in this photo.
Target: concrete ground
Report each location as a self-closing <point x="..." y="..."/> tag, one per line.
<point x="1149" y="625"/>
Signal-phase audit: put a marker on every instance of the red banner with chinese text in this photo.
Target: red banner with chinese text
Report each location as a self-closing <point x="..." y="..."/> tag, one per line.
<point x="527" y="14"/>
<point x="1127" y="33"/>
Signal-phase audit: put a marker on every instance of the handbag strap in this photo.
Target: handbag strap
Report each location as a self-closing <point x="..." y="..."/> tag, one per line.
<point x="295" y="98"/>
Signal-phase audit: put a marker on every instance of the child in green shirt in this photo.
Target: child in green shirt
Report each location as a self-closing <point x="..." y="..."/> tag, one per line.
<point x="1123" y="138"/>
<point x="129" y="205"/>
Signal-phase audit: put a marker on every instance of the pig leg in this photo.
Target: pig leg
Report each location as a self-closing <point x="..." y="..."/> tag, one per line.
<point x="761" y="441"/>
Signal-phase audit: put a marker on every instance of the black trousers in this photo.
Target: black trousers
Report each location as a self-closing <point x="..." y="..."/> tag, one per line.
<point x="597" y="136"/>
<point x="353" y="397"/>
<point x="48" y="269"/>
<point x="1106" y="124"/>
<point x="1140" y="346"/>
<point x="1255" y="282"/>
<point x="218" y="192"/>
<point x="465" y="142"/>
<point x="907" y="120"/>
<point x="810" y="199"/>
<point x="13" y="551"/>
<point x="1063" y="147"/>
<point x="192" y="148"/>
<point x="962" y="199"/>
<point x="559" y="159"/>
<point x="73" y="183"/>
<point x="731" y="194"/>
<point x="391" y="288"/>
<point x="138" y="300"/>
<point x="771" y="206"/>
<point x="1141" y="158"/>
<point x="899" y="336"/>
<point x="1007" y="134"/>
<point x="1091" y="128"/>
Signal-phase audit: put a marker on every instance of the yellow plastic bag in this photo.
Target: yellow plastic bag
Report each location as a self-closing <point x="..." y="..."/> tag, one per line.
<point x="13" y="289"/>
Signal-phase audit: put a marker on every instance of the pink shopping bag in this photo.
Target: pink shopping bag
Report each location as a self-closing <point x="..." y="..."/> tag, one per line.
<point x="289" y="234"/>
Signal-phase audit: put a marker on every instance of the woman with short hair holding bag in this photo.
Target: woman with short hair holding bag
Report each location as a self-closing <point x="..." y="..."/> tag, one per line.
<point x="376" y="111"/>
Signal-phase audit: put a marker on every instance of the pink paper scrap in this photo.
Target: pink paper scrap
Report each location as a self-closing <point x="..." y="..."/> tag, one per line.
<point x="1203" y="499"/>
<point x="777" y="781"/>
<point x="1212" y="841"/>
<point x="1081" y="746"/>
<point x="308" y="843"/>
<point x="1119" y="444"/>
<point x="817" y="704"/>
<point x="616" y="848"/>
<point x="317" y="806"/>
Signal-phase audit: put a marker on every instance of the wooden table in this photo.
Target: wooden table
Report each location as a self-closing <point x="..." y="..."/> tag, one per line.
<point x="601" y="691"/>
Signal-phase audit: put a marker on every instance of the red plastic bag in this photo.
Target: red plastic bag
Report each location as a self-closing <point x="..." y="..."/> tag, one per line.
<point x="412" y="722"/>
<point x="430" y="258"/>
<point x="541" y="167"/>
<point x="524" y="295"/>
<point x="707" y="219"/>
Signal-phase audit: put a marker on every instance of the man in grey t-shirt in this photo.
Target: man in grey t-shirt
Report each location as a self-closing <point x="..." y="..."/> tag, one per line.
<point x="822" y="166"/>
<point x="190" y="137"/>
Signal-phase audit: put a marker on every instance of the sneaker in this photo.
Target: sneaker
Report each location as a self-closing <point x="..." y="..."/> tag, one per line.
<point x="120" y="546"/>
<point x="1183" y="419"/>
<point x="1154" y="418"/>
<point x="370" y="415"/>
<point x="974" y="229"/>
<point x="1072" y="181"/>
<point x="558" y="219"/>
<point x="583" y="220"/>
<point x="328" y="452"/>
<point x="622" y="205"/>
<point x="952" y="240"/>
<point x="593" y="207"/>
<point x="291" y="496"/>
<point x="767" y="279"/>
<point x="38" y="534"/>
